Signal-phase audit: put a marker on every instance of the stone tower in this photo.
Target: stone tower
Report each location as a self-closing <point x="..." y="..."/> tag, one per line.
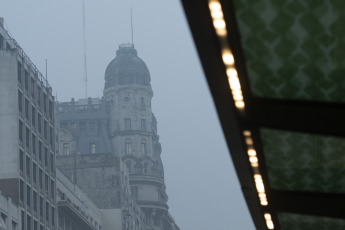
<point x="133" y="133"/>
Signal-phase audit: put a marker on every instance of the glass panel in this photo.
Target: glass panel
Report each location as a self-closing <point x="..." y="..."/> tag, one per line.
<point x="289" y="221"/>
<point x="294" y="50"/>
<point x="304" y="162"/>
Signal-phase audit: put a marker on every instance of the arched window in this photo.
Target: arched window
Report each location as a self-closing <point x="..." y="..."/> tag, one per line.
<point x="128" y="146"/>
<point x="143" y="146"/>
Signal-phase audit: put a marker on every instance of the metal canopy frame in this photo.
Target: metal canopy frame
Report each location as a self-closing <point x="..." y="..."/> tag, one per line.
<point x="312" y="117"/>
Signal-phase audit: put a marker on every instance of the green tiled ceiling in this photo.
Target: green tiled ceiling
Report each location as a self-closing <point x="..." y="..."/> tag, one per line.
<point x="289" y="221"/>
<point x="304" y="162"/>
<point x="294" y="49"/>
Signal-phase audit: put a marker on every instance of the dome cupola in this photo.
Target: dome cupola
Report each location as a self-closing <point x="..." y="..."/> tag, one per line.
<point x="127" y="68"/>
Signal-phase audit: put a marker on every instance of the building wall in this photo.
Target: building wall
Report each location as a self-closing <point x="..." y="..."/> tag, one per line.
<point x="76" y="199"/>
<point x="27" y="137"/>
<point x="9" y="214"/>
<point x="104" y="180"/>
<point x="9" y="163"/>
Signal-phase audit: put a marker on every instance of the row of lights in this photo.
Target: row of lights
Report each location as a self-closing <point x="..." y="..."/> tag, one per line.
<point x="254" y="162"/>
<point x="228" y="58"/>
<point x="235" y="86"/>
<point x="269" y="221"/>
<point x="260" y="187"/>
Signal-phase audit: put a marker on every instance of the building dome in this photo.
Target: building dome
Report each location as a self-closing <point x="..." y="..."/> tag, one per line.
<point x="127" y="68"/>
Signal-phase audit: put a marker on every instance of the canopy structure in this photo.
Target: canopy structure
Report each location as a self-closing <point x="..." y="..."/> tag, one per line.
<point x="276" y="71"/>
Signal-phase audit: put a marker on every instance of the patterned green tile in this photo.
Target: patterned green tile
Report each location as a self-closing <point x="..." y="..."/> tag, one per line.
<point x="304" y="162"/>
<point x="289" y="221"/>
<point x="294" y="49"/>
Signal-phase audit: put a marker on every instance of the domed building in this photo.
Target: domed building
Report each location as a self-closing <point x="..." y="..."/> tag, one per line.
<point x="110" y="147"/>
<point x="127" y="68"/>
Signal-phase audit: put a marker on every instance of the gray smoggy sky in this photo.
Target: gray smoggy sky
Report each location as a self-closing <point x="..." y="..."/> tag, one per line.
<point x="203" y="188"/>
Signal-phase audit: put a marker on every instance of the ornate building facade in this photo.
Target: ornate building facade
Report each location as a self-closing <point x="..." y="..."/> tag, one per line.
<point x="92" y="164"/>
<point x="120" y="128"/>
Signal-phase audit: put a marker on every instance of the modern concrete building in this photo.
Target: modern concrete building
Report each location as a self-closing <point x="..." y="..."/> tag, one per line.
<point x="99" y="136"/>
<point x="32" y="196"/>
<point x="27" y="137"/>
<point x="9" y="214"/>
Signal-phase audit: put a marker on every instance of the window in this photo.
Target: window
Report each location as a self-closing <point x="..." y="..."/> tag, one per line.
<point x="45" y="127"/>
<point x="46" y="156"/>
<point x="23" y="220"/>
<point x="21" y="160"/>
<point x="65" y="148"/>
<point x="47" y="211"/>
<point x="33" y="140"/>
<point x="143" y="125"/>
<point x="20" y="101"/>
<point x="39" y="122"/>
<point x="92" y="148"/>
<point x="129" y="167"/>
<point x="46" y="183"/>
<point x="27" y="137"/>
<point x="26" y="108"/>
<point x="39" y="96"/>
<point x="20" y="131"/>
<point x="126" y="99"/>
<point x="35" y="225"/>
<point x="28" y="195"/>
<point x="27" y="166"/>
<point x="28" y="222"/>
<point x="50" y="109"/>
<point x="128" y="146"/>
<point x="51" y="162"/>
<point x="142" y="101"/>
<point x="41" y="206"/>
<point x="146" y="165"/>
<point x="3" y="220"/>
<point x="127" y="124"/>
<point x="51" y="135"/>
<point x="143" y="148"/>
<point x="44" y="102"/>
<point x="21" y="190"/>
<point x="26" y="80"/>
<point x="34" y="172"/>
<point x="53" y="216"/>
<point x="14" y="225"/>
<point x="34" y="200"/>
<point x="52" y="185"/>
<point x="33" y="87"/>
<point x="33" y="116"/>
<point x="19" y="67"/>
<point x="41" y="178"/>
<point x="40" y="150"/>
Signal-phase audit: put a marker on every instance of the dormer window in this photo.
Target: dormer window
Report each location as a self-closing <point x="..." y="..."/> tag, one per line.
<point x="146" y="166"/>
<point x="92" y="148"/>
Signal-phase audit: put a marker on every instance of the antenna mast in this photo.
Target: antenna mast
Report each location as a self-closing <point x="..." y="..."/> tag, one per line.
<point x="84" y="37"/>
<point x="46" y="69"/>
<point x="132" y="26"/>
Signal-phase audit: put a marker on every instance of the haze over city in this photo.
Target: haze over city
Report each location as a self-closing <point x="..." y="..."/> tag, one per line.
<point x="202" y="186"/>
